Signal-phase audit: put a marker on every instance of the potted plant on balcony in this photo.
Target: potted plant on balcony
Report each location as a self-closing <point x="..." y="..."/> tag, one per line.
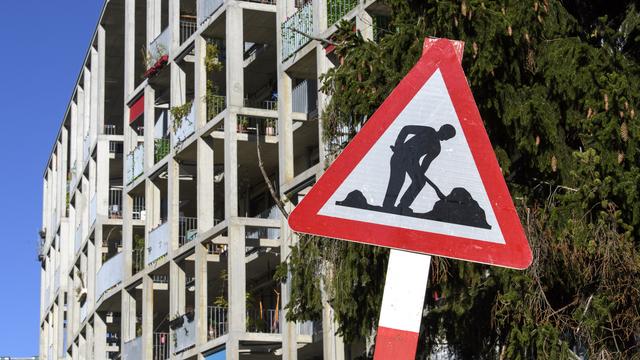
<point x="176" y="322"/>
<point x="179" y="113"/>
<point x="243" y="122"/>
<point x="271" y="127"/>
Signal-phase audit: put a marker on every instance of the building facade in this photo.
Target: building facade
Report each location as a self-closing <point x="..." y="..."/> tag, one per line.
<point x="159" y="235"/>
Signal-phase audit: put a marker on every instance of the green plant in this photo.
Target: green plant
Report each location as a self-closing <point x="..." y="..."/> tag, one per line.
<point x="138" y="242"/>
<point x="178" y="113"/>
<point x="212" y="61"/>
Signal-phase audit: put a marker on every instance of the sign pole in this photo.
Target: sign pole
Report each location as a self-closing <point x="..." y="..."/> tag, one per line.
<point x="402" y="304"/>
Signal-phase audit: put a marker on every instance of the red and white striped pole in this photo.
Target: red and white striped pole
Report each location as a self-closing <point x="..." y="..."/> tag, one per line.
<point x="402" y="303"/>
<point x="404" y="288"/>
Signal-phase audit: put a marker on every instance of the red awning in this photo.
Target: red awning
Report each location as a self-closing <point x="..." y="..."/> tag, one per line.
<point x="136" y="109"/>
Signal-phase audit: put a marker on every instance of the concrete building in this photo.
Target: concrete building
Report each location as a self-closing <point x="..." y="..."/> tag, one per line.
<point x="159" y="235"/>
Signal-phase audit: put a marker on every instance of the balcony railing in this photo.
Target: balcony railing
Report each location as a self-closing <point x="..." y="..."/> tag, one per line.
<point x="135" y="163"/>
<point x="110" y="129"/>
<point x="305" y="328"/>
<point x="336" y="9"/>
<point x="305" y="97"/>
<point x="83" y="311"/>
<point x="115" y="203"/>
<point x="160" y="346"/>
<point x="110" y="274"/>
<point x="160" y="149"/>
<point x="187" y="229"/>
<point x="217" y="322"/>
<point x="115" y="147"/>
<point x="302" y="21"/>
<point x="185" y="128"/>
<point x="215" y="105"/>
<point x="184" y="333"/>
<point x="138" y="260"/>
<point x="138" y="208"/>
<point x="158" y="245"/>
<point x="188" y="26"/>
<point x="159" y="47"/>
<point x="253" y="125"/>
<point x="265" y="321"/>
<point x="206" y="8"/>
<point x="266" y="104"/>
<point x="132" y="350"/>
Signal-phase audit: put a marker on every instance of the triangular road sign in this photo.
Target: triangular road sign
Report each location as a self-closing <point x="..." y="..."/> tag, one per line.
<point x="421" y="176"/>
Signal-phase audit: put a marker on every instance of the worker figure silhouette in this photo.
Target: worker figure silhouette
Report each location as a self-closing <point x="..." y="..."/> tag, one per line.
<point x="406" y="159"/>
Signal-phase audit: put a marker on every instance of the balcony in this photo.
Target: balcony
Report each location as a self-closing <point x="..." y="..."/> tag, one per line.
<point x="305" y="328"/>
<point x="206" y="8"/>
<point x="264" y="232"/>
<point x="110" y="274"/>
<point x="184" y="332"/>
<point x="138" y="260"/>
<point x="160" y="149"/>
<point x="139" y="209"/>
<point x="115" y="203"/>
<point x="305" y="97"/>
<point x="83" y="311"/>
<point x="265" y="104"/>
<point x="135" y="163"/>
<point x="300" y="22"/>
<point x="188" y="27"/>
<point x="336" y="9"/>
<point x="217" y="322"/>
<point x="158" y="245"/>
<point x="184" y="128"/>
<point x="160" y="346"/>
<point x="215" y="105"/>
<point x="132" y="350"/>
<point x="159" y="47"/>
<point x="110" y="129"/>
<point x="266" y="321"/>
<point x="253" y="125"/>
<point x="187" y="229"/>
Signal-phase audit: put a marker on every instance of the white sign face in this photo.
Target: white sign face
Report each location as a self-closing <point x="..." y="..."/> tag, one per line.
<point x="432" y="182"/>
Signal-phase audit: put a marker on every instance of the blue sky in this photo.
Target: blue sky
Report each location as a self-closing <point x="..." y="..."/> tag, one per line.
<point x="42" y="45"/>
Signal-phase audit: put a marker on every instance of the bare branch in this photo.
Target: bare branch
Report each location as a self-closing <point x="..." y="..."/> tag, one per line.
<point x="324" y="41"/>
<point x="272" y="191"/>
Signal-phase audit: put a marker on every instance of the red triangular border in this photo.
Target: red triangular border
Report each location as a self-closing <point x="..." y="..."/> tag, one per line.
<point x="515" y="253"/>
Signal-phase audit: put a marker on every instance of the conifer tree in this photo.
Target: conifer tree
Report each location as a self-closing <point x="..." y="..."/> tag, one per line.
<point x="557" y="84"/>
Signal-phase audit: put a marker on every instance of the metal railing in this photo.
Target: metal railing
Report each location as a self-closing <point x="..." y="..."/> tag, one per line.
<point x="188" y="26"/>
<point x="134" y="163"/>
<point x="253" y="125"/>
<point x="215" y="105"/>
<point x="160" y="149"/>
<point x="184" y="128"/>
<point x="265" y="321"/>
<point x="138" y="208"/>
<point x="110" y="129"/>
<point x="217" y="322"/>
<point x="336" y="9"/>
<point x="304" y="97"/>
<point x="216" y="249"/>
<point x="115" y="147"/>
<point x="160" y="346"/>
<point x="206" y="8"/>
<point x="138" y="260"/>
<point x="115" y="203"/>
<point x="266" y="104"/>
<point x="187" y="229"/>
<point x="302" y="21"/>
<point x="270" y="2"/>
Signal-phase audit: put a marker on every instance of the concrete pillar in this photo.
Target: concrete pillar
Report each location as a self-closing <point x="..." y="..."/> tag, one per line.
<point x="173" y="203"/>
<point x="95" y="77"/>
<point x="149" y="123"/>
<point x="154" y="19"/>
<point x="200" y="85"/>
<point x="100" y="338"/>
<point x="102" y="58"/>
<point x="102" y="179"/>
<point x="129" y="46"/>
<point x="174" y="25"/>
<point x="200" y="273"/>
<point x="176" y="292"/>
<point x="147" y="317"/>
<point x="237" y="315"/>
<point x="235" y="56"/>
<point x="128" y="318"/>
